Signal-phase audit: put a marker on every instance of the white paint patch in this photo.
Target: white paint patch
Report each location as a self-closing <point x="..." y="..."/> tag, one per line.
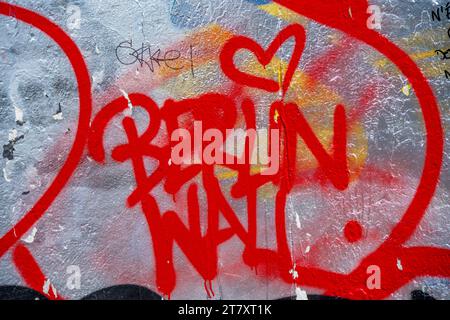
<point x="300" y="294"/>
<point x="46" y="288"/>
<point x="54" y="291"/>
<point x="97" y="77"/>
<point x="12" y="135"/>
<point x="297" y="221"/>
<point x="30" y="237"/>
<point x="130" y="105"/>
<point x="5" y="175"/>
<point x="335" y="78"/>
<point x="60" y="228"/>
<point x="399" y="265"/>
<point x="97" y="50"/>
<point x="58" y="116"/>
<point x="308" y="248"/>
<point x="294" y="273"/>
<point x="19" y="114"/>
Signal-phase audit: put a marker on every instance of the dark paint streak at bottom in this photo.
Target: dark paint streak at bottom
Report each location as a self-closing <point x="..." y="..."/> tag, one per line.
<point x="135" y="292"/>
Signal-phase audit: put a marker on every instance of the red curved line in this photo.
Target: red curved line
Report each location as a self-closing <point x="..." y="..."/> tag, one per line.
<point x="435" y="141"/>
<point x="84" y="90"/>
<point x="31" y="272"/>
<point x="330" y="14"/>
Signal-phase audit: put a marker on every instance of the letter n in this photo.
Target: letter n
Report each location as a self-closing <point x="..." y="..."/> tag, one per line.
<point x="335" y="165"/>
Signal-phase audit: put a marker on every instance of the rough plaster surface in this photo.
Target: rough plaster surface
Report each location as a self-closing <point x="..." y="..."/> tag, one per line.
<point x="89" y="225"/>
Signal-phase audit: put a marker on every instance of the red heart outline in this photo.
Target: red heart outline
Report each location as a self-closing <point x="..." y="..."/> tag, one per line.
<point x="84" y="91"/>
<point x="264" y="57"/>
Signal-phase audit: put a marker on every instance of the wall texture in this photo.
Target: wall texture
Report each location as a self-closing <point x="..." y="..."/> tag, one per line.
<point x="358" y="208"/>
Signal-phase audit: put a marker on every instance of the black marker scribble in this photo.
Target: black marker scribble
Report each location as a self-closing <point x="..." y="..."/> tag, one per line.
<point x="146" y="55"/>
<point x="441" y="11"/>
<point x="445" y="54"/>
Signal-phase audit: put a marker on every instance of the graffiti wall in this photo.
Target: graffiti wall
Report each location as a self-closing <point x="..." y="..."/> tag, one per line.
<point x="232" y="149"/>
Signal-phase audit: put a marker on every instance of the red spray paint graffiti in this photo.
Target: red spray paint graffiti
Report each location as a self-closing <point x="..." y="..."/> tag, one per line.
<point x="220" y="111"/>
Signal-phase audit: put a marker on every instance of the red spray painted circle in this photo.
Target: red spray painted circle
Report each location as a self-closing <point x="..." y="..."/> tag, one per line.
<point x="353" y="231"/>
